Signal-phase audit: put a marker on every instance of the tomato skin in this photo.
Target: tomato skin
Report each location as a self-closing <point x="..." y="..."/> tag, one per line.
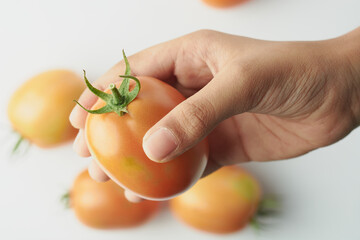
<point x="223" y="3"/>
<point x="116" y="143"/>
<point x="222" y="202"/>
<point x="104" y="206"/>
<point x="39" y="109"/>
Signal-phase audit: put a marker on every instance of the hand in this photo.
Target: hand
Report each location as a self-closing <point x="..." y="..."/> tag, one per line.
<point x="255" y="100"/>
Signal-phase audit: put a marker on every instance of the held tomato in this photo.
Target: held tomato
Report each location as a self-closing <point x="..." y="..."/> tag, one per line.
<point x="222" y="202"/>
<point x="223" y="3"/>
<point x="116" y="143"/>
<point x="39" y="110"/>
<point x="103" y="205"/>
<point x="114" y="138"/>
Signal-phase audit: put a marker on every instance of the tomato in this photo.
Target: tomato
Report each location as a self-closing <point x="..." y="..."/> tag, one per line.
<point x="222" y="202"/>
<point x="223" y="3"/>
<point x="39" y="110"/>
<point x="115" y="138"/>
<point x="103" y="205"/>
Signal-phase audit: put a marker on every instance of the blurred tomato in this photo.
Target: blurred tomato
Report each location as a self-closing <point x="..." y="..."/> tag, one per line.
<point x="222" y="202"/>
<point x="223" y="3"/>
<point x="103" y="205"/>
<point x="39" y="109"/>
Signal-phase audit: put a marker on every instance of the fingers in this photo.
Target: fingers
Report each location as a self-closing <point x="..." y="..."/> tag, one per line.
<point x="96" y="173"/>
<point x="132" y="197"/>
<point x="211" y="167"/>
<point x="78" y="115"/>
<point x="227" y="143"/>
<point x="99" y="175"/>
<point x="193" y="119"/>
<point x="80" y="146"/>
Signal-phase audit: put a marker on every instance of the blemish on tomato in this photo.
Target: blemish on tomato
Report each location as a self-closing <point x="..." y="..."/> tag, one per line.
<point x="246" y="188"/>
<point x="131" y="164"/>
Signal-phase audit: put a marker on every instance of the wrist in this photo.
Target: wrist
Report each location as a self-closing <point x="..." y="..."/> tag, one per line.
<point x="347" y="49"/>
<point x="350" y="49"/>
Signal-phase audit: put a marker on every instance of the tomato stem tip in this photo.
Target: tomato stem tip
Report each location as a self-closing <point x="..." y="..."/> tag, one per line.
<point x="117" y="98"/>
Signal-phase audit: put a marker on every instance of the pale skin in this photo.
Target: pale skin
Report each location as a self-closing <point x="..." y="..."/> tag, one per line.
<point x="255" y="100"/>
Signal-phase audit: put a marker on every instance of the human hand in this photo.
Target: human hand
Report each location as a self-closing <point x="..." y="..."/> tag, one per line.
<point x="256" y="100"/>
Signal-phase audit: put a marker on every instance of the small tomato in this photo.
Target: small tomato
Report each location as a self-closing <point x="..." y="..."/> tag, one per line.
<point x="104" y="206"/>
<point x="223" y="3"/>
<point x="39" y="110"/>
<point x="223" y="202"/>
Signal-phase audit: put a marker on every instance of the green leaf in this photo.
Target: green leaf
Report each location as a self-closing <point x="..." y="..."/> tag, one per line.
<point x="65" y="199"/>
<point x="255" y="224"/>
<point x="104" y="96"/>
<point x="105" y="109"/>
<point x="129" y="96"/>
<point x="268" y="206"/>
<point x="124" y="87"/>
<point x="127" y="69"/>
<point x="17" y="144"/>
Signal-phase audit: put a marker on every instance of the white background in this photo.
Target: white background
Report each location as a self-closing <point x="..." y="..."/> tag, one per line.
<point x="320" y="191"/>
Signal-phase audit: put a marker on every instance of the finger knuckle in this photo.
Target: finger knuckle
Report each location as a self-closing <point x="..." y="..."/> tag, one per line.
<point x="252" y="86"/>
<point x="196" y="117"/>
<point x="204" y="33"/>
<point x="200" y="36"/>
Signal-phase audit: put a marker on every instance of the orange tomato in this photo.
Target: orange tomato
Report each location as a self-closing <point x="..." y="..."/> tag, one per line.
<point x="39" y="110"/>
<point x="116" y="143"/>
<point x="223" y="3"/>
<point x="222" y="202"/>
<point x="103" y="205"/>
<point x="115" y="140"/>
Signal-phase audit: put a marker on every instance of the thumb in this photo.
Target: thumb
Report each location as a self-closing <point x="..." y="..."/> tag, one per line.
<point x="190" y="121"/>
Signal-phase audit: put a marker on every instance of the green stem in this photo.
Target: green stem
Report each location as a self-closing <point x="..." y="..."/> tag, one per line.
<point x="117" y="98"/>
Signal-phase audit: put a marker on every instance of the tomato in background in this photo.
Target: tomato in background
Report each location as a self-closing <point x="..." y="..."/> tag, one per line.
<point x="39" y="109"/>
<point x="223" y="202"/>
<point x="223" y="3"/>
<point x="104" y="206"/>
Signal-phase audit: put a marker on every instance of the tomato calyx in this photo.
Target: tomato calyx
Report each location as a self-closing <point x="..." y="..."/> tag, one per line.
<point x="268" y="207"/>
<point x="17" y="145"/>
<point x="65" y="199"/>
<point x="120" y="98"/>
<point x="21" y="145"/>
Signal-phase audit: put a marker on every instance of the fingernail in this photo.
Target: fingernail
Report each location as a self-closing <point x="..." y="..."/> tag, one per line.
<point x="97" y="173"/>
<point x="160" y="144"/>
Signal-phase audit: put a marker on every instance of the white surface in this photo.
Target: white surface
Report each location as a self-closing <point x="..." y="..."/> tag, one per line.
<point x="320" y="191"/>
